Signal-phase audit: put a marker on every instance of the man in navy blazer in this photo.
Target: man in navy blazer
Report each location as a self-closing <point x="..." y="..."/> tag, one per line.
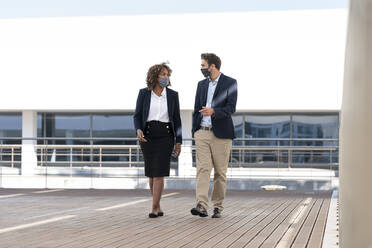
<point x="213" y="130"/>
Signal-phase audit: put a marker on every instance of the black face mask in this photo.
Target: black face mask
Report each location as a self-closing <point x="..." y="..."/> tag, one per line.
<point x="205" y="72"/>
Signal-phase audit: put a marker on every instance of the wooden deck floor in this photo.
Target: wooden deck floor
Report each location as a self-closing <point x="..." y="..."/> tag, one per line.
<point x="118" y="218"/>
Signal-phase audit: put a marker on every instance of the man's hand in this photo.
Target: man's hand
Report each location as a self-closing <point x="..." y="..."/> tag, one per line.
<point x="207" y="111"/>
<point x="177" y="150"/>
<point x="140" y="136"/>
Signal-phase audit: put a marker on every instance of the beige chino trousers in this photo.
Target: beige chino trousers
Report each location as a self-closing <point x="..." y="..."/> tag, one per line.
<point x="211" y="153"/>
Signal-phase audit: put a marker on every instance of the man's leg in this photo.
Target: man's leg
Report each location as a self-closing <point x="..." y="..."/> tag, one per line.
<point x="220" y="153"/>
<point x="203" y="166"/>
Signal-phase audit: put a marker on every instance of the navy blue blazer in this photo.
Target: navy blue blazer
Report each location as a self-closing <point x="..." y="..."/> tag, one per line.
<point x="143" y="108"/>
<point x="223" y="104"/>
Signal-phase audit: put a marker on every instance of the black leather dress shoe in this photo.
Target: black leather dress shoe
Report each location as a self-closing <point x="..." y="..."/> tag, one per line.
<point x="199" y="210"/>
<point x="152" y="215"/>
<point x="216" y="213"/>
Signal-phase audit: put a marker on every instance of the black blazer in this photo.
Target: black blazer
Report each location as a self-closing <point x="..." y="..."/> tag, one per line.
<point x="143" y="108"/>
<point x="223" y="103"/>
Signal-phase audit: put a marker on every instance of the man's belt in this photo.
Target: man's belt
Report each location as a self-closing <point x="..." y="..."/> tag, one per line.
<point x="206" y="128"/>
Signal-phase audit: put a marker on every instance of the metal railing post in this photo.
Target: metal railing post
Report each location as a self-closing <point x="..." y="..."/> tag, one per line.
<point x="12" y="157"/>
<point x="330" y="161"/>
<point x="100" y="157"/>
<point x="130" y="157"/>
<point x="278" y="157"/>
<point x="41" y="156"/>
<point x="71" y="162"/>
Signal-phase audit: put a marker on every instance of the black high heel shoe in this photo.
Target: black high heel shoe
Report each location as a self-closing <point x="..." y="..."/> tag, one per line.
<point x="161" y="214"/>
<point x="152" y="215"/>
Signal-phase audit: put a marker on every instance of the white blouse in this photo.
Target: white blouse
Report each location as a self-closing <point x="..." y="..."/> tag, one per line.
<point x="158" y="107"/>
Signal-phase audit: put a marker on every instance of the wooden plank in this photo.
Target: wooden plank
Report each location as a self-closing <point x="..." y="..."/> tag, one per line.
<point x="296" y="224"/>
<point x="277" y="220"/>
<point x="219" y="225"/>
<point x="107" y="224"/>
<point x="190" y="222"/>
<point x="274" y="238"/>
<point x="316" y="238"/>
<point x="250" y="231"/>
<point x="304" y="234"/>
<point x="135" y="229"/>
<point x="250" y="217"/>
<point x="178" y="239"/>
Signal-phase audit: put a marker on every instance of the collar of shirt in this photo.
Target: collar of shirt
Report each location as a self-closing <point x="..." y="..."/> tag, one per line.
<point x="163" y="93"/>
<point x="215" y="81"/>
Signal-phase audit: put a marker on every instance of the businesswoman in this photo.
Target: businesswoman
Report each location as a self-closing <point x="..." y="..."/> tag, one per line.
<point x="158" y="124"/>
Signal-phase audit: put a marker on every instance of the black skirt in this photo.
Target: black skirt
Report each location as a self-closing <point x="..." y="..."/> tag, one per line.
<point x="157" y="151"/>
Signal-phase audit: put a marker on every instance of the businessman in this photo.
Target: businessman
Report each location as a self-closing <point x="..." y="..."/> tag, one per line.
<point x="213" y="130"/>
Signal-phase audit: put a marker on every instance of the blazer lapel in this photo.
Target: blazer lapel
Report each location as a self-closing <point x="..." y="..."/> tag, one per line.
<point x="220" y="81"/>
<point x="169" y="103"/>
<point x="147" y="102"/>
<point x="205" y="92"/>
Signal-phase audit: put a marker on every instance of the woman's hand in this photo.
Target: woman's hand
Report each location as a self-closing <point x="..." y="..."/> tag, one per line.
<point x="177" y="150"/>
<point x="140" y="136"/>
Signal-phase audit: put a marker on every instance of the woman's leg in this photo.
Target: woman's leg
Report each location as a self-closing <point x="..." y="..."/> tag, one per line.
<point x="151" y="183"/>
<point x="157" y="192"/>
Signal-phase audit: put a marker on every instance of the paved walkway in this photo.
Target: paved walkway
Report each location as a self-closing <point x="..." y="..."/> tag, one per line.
<point x="118" y="218"/>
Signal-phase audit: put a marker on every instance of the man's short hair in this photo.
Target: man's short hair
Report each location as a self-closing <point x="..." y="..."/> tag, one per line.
<point x="212" y="58"/>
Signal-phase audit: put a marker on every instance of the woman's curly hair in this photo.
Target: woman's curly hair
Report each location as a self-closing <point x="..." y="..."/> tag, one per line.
<point x="153" y="74"/>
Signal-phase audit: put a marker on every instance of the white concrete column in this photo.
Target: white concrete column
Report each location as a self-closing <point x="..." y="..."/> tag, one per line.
<point x="29" y="130"/>
<point x="185" y="159"/>
<point x="356" y="131"/>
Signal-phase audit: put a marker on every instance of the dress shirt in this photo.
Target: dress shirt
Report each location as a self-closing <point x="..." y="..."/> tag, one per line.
<point x="207" y="121"/>
<point x="158" y="107"/>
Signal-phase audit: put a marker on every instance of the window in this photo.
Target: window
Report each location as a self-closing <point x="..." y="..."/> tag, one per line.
<point x="10" y="126"/>
<point x="264" y="127"/>
<point x="87" y="125"/>
<point x="267" y="126"/>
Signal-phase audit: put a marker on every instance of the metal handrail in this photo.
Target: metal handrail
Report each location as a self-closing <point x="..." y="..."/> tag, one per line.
<point x="185" y="139"/>
<point x="88" y="146"/>
<point x="245" y="148"/>
<point x="99" y="151"/>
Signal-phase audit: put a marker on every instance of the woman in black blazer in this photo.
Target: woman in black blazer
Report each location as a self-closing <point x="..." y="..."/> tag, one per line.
<point x="158" y="124"/>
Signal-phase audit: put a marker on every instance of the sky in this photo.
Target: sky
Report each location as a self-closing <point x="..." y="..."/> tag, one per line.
<point x="63" y="8"/>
